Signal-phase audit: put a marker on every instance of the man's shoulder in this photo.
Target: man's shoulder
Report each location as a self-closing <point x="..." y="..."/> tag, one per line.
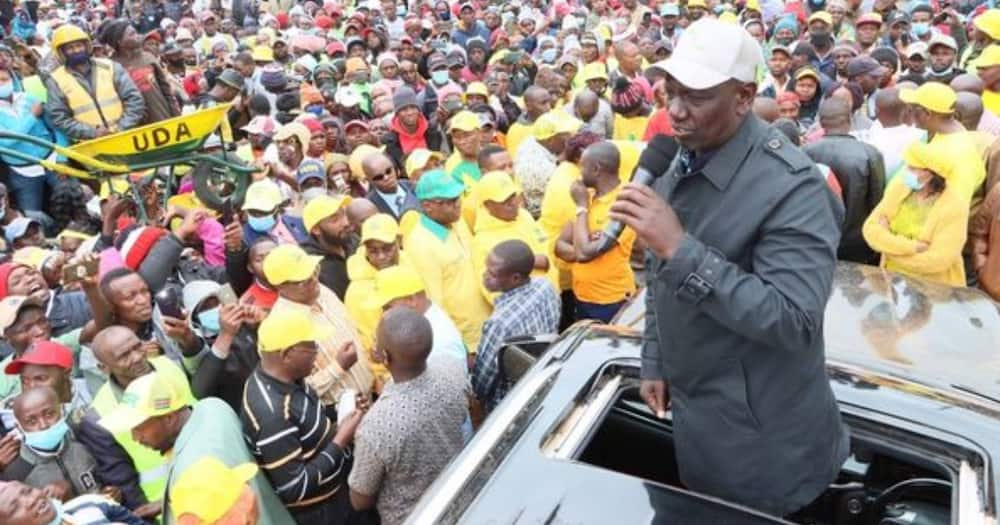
<point x="777" y="149"/>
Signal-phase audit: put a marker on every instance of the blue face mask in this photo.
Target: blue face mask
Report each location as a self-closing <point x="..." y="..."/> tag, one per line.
<point x="549" y="55"/>
<point x="920" y="29"/>
<point x="75" y="59"/>
<point x="261" y="224"/>
<point x="6" y="90"/>
<point x="315" y="109"/>
<point x="401" y="10"/>
<point x="440" y="77"/>
<point x="209" y="320"/>
<point x="48" y="439"/>
<point x="911" y="181"/>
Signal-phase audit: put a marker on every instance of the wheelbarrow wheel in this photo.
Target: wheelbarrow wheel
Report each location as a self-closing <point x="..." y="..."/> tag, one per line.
<point x="214" y="185"/>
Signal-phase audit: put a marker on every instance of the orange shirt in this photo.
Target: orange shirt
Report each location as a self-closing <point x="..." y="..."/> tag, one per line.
<point x="608" y="278"/>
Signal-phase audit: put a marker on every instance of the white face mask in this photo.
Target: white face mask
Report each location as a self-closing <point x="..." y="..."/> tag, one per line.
<point x="312" y="193"/>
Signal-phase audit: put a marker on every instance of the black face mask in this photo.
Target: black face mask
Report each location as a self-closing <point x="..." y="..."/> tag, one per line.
<point x="819" y="38"/>
<point x="176" y="62"/>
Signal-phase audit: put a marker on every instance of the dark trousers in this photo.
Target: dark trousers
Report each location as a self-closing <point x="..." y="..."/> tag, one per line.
<point x="599" y="312"/>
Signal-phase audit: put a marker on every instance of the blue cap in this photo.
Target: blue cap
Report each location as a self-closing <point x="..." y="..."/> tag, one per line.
<point x="310" y="169"/>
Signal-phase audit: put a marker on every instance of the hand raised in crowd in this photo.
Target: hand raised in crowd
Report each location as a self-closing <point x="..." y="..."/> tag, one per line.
<point x="347" y="355"/>
<point x="234" y="236"/>
<point x="179" y="330"/>
<point x="149" y="510"/>
<point x="231" y="318"/>
<point x="10" y="447"/>
<point x="116" y="205"/>
<point x="655" y="222"/>
<point x="192" y="220"/>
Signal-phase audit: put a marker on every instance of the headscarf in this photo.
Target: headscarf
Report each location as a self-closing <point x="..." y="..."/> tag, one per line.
<point x="113" y="31"/>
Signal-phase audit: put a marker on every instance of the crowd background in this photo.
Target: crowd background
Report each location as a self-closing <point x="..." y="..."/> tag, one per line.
<point x="431" y="180"/>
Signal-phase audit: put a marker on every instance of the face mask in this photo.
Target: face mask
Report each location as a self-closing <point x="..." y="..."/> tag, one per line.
<point x="316" y="109"/>
<point x="401" y="10"/>
<point x="440" y="77"/>
<point x="48" y="439"/>
<point x="75" y="59"/>
<point x="549" y="55"/>
<point x="819" y="38"/>
<point x="6" y="90"/>
<point x="911" y="181"/>
<point x="209" y="320"/>
<point x="784" y="41"/>
<point x="176" y="62"/>
<point x="57" y="505"/>
<point x="312" y="193"/>
<point x="262" y="224"/>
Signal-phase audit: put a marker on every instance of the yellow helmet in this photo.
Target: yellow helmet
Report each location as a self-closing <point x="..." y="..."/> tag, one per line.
<point x="67" y="33"/>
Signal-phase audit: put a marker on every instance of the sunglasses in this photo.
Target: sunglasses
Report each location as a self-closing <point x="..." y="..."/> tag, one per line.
<point x="384" y="175"/>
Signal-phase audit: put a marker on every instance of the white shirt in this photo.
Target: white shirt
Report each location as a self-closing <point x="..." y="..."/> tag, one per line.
<point x="891" y="142"/>
<point x="447" y="339"/>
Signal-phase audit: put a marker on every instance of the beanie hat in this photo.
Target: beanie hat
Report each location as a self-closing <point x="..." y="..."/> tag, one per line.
<point x="626" y="96"/>
<point x="476" y="43"/>
<point x="135" y="242"/>
<point x="113" y="31"/>
<point x="404" y="97"/>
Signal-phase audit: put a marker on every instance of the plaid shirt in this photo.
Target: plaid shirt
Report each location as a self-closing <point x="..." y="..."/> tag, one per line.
<point x="530" y="309"/>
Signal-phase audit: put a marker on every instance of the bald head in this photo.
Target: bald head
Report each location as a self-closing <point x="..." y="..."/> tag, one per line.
<point x="376" y="164"/>
<point x="405" y="335"/>
<point x="968" y="109"/>
<point x="835" y="115"/>
<point x="605" y="153"/>
<point x="108" y="340"/>
<point x="889" y="107"/>
<point x="968" y="83"/>
<point x="34" y="400"/>
<point x="587" y="104"/>
<point x="766" y="109"/>
<point x="358" y="210"/>
<point x="535" y="93"/>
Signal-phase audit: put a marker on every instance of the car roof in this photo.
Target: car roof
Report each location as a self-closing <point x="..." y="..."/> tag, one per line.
<point x="925" y="332"/>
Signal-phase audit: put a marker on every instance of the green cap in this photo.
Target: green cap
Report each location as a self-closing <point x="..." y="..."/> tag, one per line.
<point x="436" y="184"/>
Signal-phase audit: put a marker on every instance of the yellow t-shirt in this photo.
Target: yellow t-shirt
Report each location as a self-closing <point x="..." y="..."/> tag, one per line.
<point x="491" y="231"/>
<point x="630" y="128"/>
<point x="608" y="278"/>
<point x="628" y="152"/>
<point x="516" y="134"/>
<point x="969" y="170"/>
<point x="558" y="209"/>
<point x="991" y="101"/>
<point x="443" y="258"/>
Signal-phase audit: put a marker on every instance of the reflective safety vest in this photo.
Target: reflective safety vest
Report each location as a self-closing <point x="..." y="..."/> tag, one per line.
<point x="103" y="107"/>
<point x="151" y="466"/>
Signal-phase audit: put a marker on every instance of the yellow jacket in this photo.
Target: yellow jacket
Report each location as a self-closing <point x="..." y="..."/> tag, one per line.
<point x="558" y="209"/>
<point x="362" y="276"/>
<point x="491" y="231"/>
<point x="944" y="230"/>
<point x="443" y="258"/>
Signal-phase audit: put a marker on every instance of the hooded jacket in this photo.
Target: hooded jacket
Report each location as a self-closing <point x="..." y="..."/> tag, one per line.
<point x="399" y="143"/>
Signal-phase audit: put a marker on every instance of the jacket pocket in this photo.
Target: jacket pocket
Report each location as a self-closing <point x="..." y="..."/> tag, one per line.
<point x="730" y="397"/>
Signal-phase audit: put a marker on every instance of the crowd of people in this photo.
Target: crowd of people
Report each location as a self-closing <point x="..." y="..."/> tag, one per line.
<point x="432" y="179"/>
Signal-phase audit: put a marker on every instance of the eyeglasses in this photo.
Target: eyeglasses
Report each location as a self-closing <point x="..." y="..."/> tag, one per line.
<point x="389" y="172"/>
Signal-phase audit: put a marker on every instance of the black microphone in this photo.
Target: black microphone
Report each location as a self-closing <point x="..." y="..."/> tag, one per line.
<point x="653" y="163"/>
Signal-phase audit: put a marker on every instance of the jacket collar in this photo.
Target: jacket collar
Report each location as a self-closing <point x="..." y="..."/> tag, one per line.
<point x="728" y="158"/>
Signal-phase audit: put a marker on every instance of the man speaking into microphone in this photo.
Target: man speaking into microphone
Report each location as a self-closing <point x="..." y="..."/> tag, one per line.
<point x="743" y="242"/>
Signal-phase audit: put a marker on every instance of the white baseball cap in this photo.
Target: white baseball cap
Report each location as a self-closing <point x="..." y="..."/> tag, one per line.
<point x="710" y="52"/>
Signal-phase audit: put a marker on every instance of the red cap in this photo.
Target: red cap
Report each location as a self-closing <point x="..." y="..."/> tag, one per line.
<point x="46" y="353"/>
<point x="358" y="123"/>
<point x="313" y="125"/>
<point x="323" y="22"/>
<point x="335" y="47"/>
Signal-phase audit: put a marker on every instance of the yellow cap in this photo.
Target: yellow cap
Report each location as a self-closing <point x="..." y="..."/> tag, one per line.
<point x="728" y="17"/>
<point x="934" y="157"/>
<point x="392" y="283"/>
<point x="263" y="195"/>
<point x="464" y="121"/>
<point x="697" y="3"/>
<point x="553" y="123"/>
<point x="357" y="157"/>
<point x="322" y="207"/>
<point x="289" y="263"/>
<point x="990" y="57"/>
<point x="752" y="5"/>
<point x="73" y="234"/>
<point x="418" y="159"/>
<point x="208" y="488"/>
<point x="286" y="327"/>
<point x="477" y="88"/>
<point x="988" y="22"/>
<point x="932" y="96"/>
<point x="152" y="395"/>
<point x="594" y="71"/>
<point x="112" y="185"/>
<point x="380" y="227"/>
<point x="263" y="54"/>
<point x="496" y="186"/>
<point x="32" y="256"/>
<point x="821" y="16"/>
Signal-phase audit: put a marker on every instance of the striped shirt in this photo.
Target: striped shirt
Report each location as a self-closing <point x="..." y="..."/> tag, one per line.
<point x="292" y="440"/>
